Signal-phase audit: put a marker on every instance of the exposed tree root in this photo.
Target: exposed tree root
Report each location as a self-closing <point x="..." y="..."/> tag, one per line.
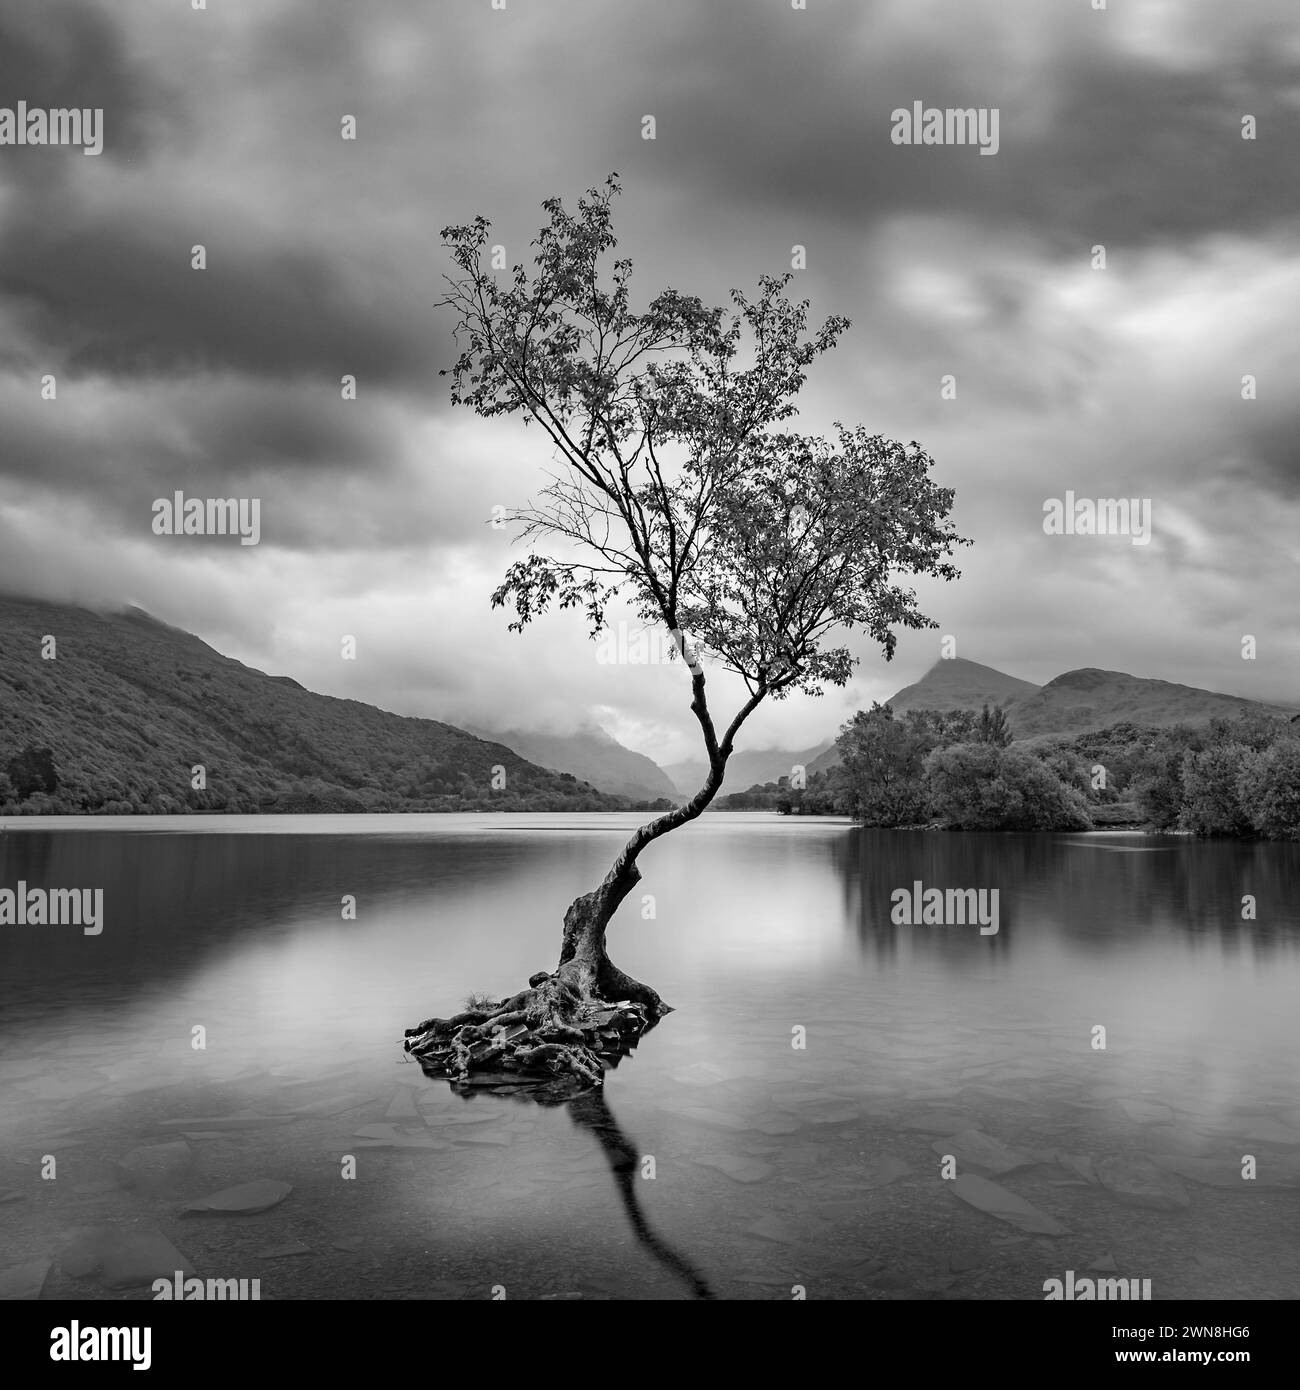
<point x="574" y="1023"/>
<point x="554" y="1028"/>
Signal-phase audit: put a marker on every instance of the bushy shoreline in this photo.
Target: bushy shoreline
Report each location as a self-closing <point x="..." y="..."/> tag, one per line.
<point x="929" y="769"/>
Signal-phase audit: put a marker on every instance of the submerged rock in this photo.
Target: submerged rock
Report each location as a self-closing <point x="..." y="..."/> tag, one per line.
<point x="699" y="1074"/>
<point x="245" y="1200"/>
<point x="24" y="1281"/>
<point x="1212" y="1172"/>
<point x="154" y="1167"/>
<point x="829" y="1112"/>
<point x="738" y="1169"/>
<point x="704" y="1114"/>
<point x="785" y="1232"/>
<point x="335" y="1105"/>
<point x="972" y="1148"/>
<point x="998" y="1202"/>
<point x="882" y="1171"/>
<point x="776" y="1123"/>
<point x="1264" y="1129"/>
<point x="388" y="1136"/>
<point x="937" y="1121"/>
<point x="484" y="1138"/>
<point x="241" y="1120"/>
<point x="402" y="1107"/>
<point x="965" y="1256"/>
<point x="123" y="1258"/>
<point x="1147" y="1112"/>
<point x="1137" y="1181"/>
<point x="1079" y="1164"/>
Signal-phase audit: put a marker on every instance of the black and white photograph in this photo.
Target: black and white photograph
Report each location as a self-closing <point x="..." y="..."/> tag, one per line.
<point x="649" y="652"/>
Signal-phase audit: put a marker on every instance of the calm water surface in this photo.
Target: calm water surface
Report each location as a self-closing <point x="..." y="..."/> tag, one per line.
<point x="773" y="1165"/>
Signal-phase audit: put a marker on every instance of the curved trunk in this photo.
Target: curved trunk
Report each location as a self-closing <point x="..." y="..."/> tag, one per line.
<point x="583" y="957"/>
<point x="581" y="1018"/>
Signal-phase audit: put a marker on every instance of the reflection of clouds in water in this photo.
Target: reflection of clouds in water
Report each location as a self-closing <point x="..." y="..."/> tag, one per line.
<point x="760" y="925"/>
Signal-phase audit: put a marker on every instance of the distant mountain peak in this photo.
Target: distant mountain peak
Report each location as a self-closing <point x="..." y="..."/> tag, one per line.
<point x="1085" y="678"/>
<point x="962" y="663"/>
<point x="1075" y="702"/>
<point x="594" y="755"/>
<point x="956" y="683"/>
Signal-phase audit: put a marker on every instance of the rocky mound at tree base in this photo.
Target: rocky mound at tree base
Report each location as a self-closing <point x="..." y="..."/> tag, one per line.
<point x="552" y="1029"/>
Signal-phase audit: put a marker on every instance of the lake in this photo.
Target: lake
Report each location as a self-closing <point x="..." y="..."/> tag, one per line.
<point x="784" y="1129"/>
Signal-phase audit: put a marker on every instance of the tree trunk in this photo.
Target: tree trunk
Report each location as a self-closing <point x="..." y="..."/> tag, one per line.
<point x="583" y="1017"/>
<point x="584" y="960"/>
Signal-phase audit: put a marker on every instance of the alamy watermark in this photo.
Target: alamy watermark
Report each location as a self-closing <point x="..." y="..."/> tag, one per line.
<point x="179" y="515"/>
<point x="77" y="1343"/>
<point x="621" y="644"/>
<point x="1104" y="516"/>
<point x="1081" y="1290"/>
<point x="53" y="907"/>
<point x="949" y="125"/>
<point x="197" y="1290"/>
<point x="945" y="907"/>
<point x="63" y="125"/>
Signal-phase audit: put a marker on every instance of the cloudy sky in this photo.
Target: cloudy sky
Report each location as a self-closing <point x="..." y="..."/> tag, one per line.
<point x="1120" y="127"/>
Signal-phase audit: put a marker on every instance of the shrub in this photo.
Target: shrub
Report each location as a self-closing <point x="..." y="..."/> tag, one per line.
<point x="980" y="786"/>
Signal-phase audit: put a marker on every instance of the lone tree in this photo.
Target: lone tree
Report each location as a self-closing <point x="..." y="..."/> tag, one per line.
<point x="992" y="727"/>
<point x="676" y="490"/>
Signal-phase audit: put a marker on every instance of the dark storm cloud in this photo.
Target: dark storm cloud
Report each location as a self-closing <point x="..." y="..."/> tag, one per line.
<point x="302" y="276"/>
<point x="1095" y="144"/>
<point x="331" y="474"/>
<point x="64" y="53"/>
<point x="1269" y="441"/>
<point x="222" y="128"/>
<point x="120" y="298"/>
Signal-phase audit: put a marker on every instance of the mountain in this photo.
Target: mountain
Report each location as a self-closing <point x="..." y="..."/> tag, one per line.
<point x="952" y="684"/>
<point x="745" y="767"/>
<point x="959" y="684"/>
<point x="594" y="756"/>
<point x="128" y="705"/>
<point x="1074" y="703"/>
<point x="1089" y="699"/>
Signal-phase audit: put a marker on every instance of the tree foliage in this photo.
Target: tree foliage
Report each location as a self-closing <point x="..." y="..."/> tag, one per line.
<point x="32" y="770"/>
<point x="883" y="758"/>
<point x="992" y="727"/>
<point x="1268" y="789"/>
<point x="676" y="487"/>
<point x="982" y="786"/>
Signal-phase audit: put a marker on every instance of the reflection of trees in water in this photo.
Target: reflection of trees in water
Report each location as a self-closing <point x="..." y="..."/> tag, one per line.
<point x="874" y="863"/>
<point x="1063" y="883"/>
<point x="589" y="1110"/>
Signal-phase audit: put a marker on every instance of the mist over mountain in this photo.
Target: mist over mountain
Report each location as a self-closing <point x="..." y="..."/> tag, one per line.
<point x="592" y="755"/>
<point x="129" y="708"/>
<point x="745" y="767"/>
<point x="956" y="683"/>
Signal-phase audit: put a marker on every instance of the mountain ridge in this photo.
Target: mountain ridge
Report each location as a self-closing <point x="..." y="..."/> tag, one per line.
<point x="1078" y="701"/>
<point x="131" y="707"/>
